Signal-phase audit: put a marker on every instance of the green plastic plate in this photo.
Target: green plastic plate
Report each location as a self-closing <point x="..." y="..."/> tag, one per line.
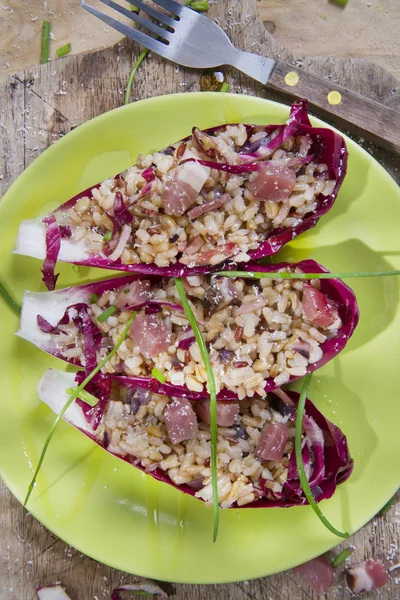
<point x="116" y="514"/>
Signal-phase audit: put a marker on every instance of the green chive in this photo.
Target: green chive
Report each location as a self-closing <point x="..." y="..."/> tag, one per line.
<point x="85" y="396"/>
<point x="126" y="291"/>
<point x="44" y="52"/>
<point x="66" y="49"/>
<point x="224" y="87"/>
<point x="286" y="275"/>
<point x="199" y="5"/>
<point x="71" y="399"/>
<point x="8" y="299"/>
<point x="134" y="9"/>
<point x="93" y="299"/>
<point x="213" y="398"/>
<point x="340" y="558"/>
<point x="384" y="510"/>
<point x="132" y="75"/>
<point x="299" y="460"/>
<point x="341" y="2"/>
<point x="107" y="313"/>
<point x="158" y="375"/>
<point x="107" y="236"/>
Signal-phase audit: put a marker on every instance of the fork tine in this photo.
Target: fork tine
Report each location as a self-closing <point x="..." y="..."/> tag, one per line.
<point x="141" y="38"/>
<point x="159" y="16"/>
<point x="171" y="6"/>
<point x="139" y="20"/>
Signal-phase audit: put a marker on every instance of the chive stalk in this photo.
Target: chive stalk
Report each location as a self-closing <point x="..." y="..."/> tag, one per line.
<point x="93" y="299"/>
<point x="388" y="504"/>
<point x="107" y="236"/>
<point x="213" y="397"/>
<point x="107" y="313"/>
<point x="299" y="460"/>
<point x="287" y="275"/>
<point x="44" y="51"/>
<point x="135" y="67"/>
<point x="224" y="87"/>
<point x="76" y="393"/>
<point x="8" y="299"/>
<point x="156" y="373"/>
<point x="340" y="558"/>
<point x="198" y="5"/>
<point x="66" y="49"/>
<point x="341" y="2"/>
<point x="85" y="396"/>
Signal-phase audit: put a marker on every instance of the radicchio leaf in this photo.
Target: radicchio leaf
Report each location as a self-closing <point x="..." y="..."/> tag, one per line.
<point x="53" y="245"/>
<point x="149" y="588"/>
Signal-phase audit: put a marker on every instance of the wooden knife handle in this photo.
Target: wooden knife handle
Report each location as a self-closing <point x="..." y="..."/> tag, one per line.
<point x="371" y="120"/>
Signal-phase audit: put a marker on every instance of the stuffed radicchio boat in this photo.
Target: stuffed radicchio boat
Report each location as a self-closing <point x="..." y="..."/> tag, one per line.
<point x="227" y="194"/>
<point x="169" y="438"/>
<point x="260" y="333"/>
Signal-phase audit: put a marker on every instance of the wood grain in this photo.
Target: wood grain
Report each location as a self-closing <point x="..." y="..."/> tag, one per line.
<point x="38" y="106"/>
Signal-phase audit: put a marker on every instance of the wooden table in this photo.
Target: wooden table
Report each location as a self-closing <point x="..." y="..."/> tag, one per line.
<point x="40" y="104"/>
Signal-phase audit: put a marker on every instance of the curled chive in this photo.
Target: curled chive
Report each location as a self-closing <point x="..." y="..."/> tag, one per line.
<point x="224" y="87"/>
<point x="44" y="51"/>
<point x="287" y="275"/>
<point x="85" y="396"/>
<point x="156" y="373"/>
<point x="213" y="397"/>
<point x="93" y="299"/>
<point x="107" y="236"/>
<point x="340" y="558"/>
<point x="107" y="313"/>
<point x="8" y="299"/>
<point x="386" y="507"/>
<point x="76" y="394"/>
<point x="135" y="67"/>
<point x="66" y="49"/>
<point x="299" y="460"/>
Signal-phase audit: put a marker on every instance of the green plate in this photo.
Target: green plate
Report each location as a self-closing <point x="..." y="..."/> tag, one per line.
<point x="116" y="514"/>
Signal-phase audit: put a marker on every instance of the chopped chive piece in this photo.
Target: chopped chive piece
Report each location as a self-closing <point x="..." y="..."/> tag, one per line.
<point x="66" y="49"/>
<point x="388" y="504"/>
<point x="44" y="52"/>
<point x="340" y="558"/>
<point x="286" y="275"/>
<point x="299" y="460"/>
<point x="158" y="375"/>
<point x="134" y="9"/>
<point x="199" y="5"/>
<point x="107" y="236"/>
<point x="107" y="313"/>
<point x="85" y="396"/>
<point x="213" y="398"/>
<point x="71" y="399"/>
<point x="132" y="74"/>
<point x="224" y="87"/>
<point x="93" y="299"/>
<point x="8" y="299"/>
<point x="341" y="2"/>
<point x="126" y="291"/>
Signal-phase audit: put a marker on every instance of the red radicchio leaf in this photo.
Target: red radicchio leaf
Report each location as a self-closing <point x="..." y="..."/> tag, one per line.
<point x="327" y="147"/>
<point x="121" y="214"/>
<point x="145" y="585"/>
<point x="53" y="245"/>
<point x="338" y="292"/>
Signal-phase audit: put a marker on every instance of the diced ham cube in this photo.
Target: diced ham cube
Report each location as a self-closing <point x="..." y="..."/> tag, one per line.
<point x="316" y="308"/>
<point x="150" y="334"/>
<point x="183" y="187"/>
<point x="180" y="420"/>
<point x="227" y="412"/>
<point x="273" y="183"/>
<point x="318" y="573"/>
<point x="273" y="441"/>
<point x="366" y="576"/>
<point x="133" y="293"/>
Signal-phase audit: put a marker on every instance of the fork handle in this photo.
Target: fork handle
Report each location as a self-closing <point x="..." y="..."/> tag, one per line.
<point x="371" y="120"/>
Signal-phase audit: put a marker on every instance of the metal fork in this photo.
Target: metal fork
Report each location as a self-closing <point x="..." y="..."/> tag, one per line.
<point x="192" y="40"/>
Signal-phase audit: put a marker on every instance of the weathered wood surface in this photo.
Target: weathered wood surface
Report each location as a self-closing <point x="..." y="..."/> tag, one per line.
<point x="364" y="29"/>
<point x="37" y="106"/>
